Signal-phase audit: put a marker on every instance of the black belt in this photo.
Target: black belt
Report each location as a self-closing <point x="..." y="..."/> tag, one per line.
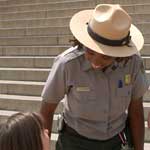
<point x="71" y="131"/>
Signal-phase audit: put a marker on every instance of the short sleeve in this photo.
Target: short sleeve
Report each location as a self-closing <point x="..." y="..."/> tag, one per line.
<point x="54" y="89"/>
<point x="140" y="83"/>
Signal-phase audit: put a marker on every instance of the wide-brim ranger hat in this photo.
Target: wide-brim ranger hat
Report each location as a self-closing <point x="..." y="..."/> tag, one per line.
<point x="107" y="30"/>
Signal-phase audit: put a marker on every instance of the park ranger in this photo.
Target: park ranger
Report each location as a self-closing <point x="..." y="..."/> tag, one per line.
<point x="102" y="81"/>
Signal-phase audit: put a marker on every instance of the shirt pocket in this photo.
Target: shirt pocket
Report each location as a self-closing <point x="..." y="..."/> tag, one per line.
<point x="124" y="91"/>
<point x="81" y="100"/>
<point x="124" y="96"/>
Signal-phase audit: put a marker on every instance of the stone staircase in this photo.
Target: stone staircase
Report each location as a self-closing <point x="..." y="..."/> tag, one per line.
<point x="33" y="33"/>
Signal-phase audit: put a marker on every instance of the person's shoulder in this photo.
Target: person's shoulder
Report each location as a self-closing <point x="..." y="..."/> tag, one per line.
<point x="136" y="58"/>
<point x="137" y="63"/>
<point x="70" y="54"/>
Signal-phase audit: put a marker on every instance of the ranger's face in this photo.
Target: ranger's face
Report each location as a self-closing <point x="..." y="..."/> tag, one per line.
<point x="98" y="60"/>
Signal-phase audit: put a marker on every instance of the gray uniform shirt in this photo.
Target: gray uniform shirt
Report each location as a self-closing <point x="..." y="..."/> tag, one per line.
<point x="96" y="102"/>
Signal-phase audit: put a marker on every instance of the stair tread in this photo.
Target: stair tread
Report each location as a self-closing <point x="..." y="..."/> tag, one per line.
<point x="21" y="82"/>
<point x="24" y="69"/>
<point x="39" y="27"/>
<point x="11" y="112"/>
<point x="146" y="146"/>
<point x="66" y="17"/>
<point x="15" y="5"/>
<point x="62" y="26"/>
<point x="64" y="9"/>
<point x="20" y="97"/>
<point x="27" y="57"/>
<point x="46" y="10"/>
<point x="59" y="2"/>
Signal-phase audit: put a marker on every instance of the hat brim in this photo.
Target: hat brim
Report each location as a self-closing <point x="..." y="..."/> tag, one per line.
<point x="78" y="27"/>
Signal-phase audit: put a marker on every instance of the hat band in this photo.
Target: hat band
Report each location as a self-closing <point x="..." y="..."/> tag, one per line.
<point x="100" y="39"/>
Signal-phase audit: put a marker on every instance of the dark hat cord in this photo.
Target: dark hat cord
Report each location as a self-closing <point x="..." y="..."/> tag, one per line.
<point x="100" y="39"/>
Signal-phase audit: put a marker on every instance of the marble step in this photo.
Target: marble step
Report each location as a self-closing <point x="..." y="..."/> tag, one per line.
<point x="44" y="40"/>
<point x="36" y="40"/>
<point x="122" y="1"/>
<point x="146" y="146"/>
<point x="24" y="74"/>
<point x="3" y="2"/>
<point x="38" y="31"/>
<point x="146" y="50"/>
<point x="58" y="21"/>
<point x="40" y="14"/>
<point x="48" y="10"/>
<point x="146" y="60"/>
<point x="147" y="95"/>
<point x="49" y="6"/>
<point x="40" y="61"/>
<point x="27" y="61"/>
<point x="29" y="88"/>
<point x="29" y="103"/>
<point x="23" y="2"/>
<point x="34" y="50"/>
<point x="46" y="50"/>
<point x="53" y="30"/>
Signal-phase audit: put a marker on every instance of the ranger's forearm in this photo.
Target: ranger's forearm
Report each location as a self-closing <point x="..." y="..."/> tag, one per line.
<point x="136" y="120"/>
<point x="47" y="112"/>
<point x="48" y="121"/>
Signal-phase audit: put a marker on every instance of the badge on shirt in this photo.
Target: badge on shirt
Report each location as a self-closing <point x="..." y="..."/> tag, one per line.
<point x="83" y="89"/>
<point x="127" y="79"/>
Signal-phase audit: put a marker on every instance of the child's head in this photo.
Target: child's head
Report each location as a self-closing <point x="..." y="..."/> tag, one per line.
<point x="24" y="131"/>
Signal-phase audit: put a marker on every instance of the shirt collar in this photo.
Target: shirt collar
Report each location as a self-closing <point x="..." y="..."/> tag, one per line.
<point x="86" y="65"/>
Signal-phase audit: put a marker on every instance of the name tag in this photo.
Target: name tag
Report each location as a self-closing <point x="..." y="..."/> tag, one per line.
<point x="82" y="89"/>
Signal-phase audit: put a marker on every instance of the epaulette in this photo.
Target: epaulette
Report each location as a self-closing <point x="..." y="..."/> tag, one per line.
<point x="71" y="54"/>
<point x="69" y="50"/>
